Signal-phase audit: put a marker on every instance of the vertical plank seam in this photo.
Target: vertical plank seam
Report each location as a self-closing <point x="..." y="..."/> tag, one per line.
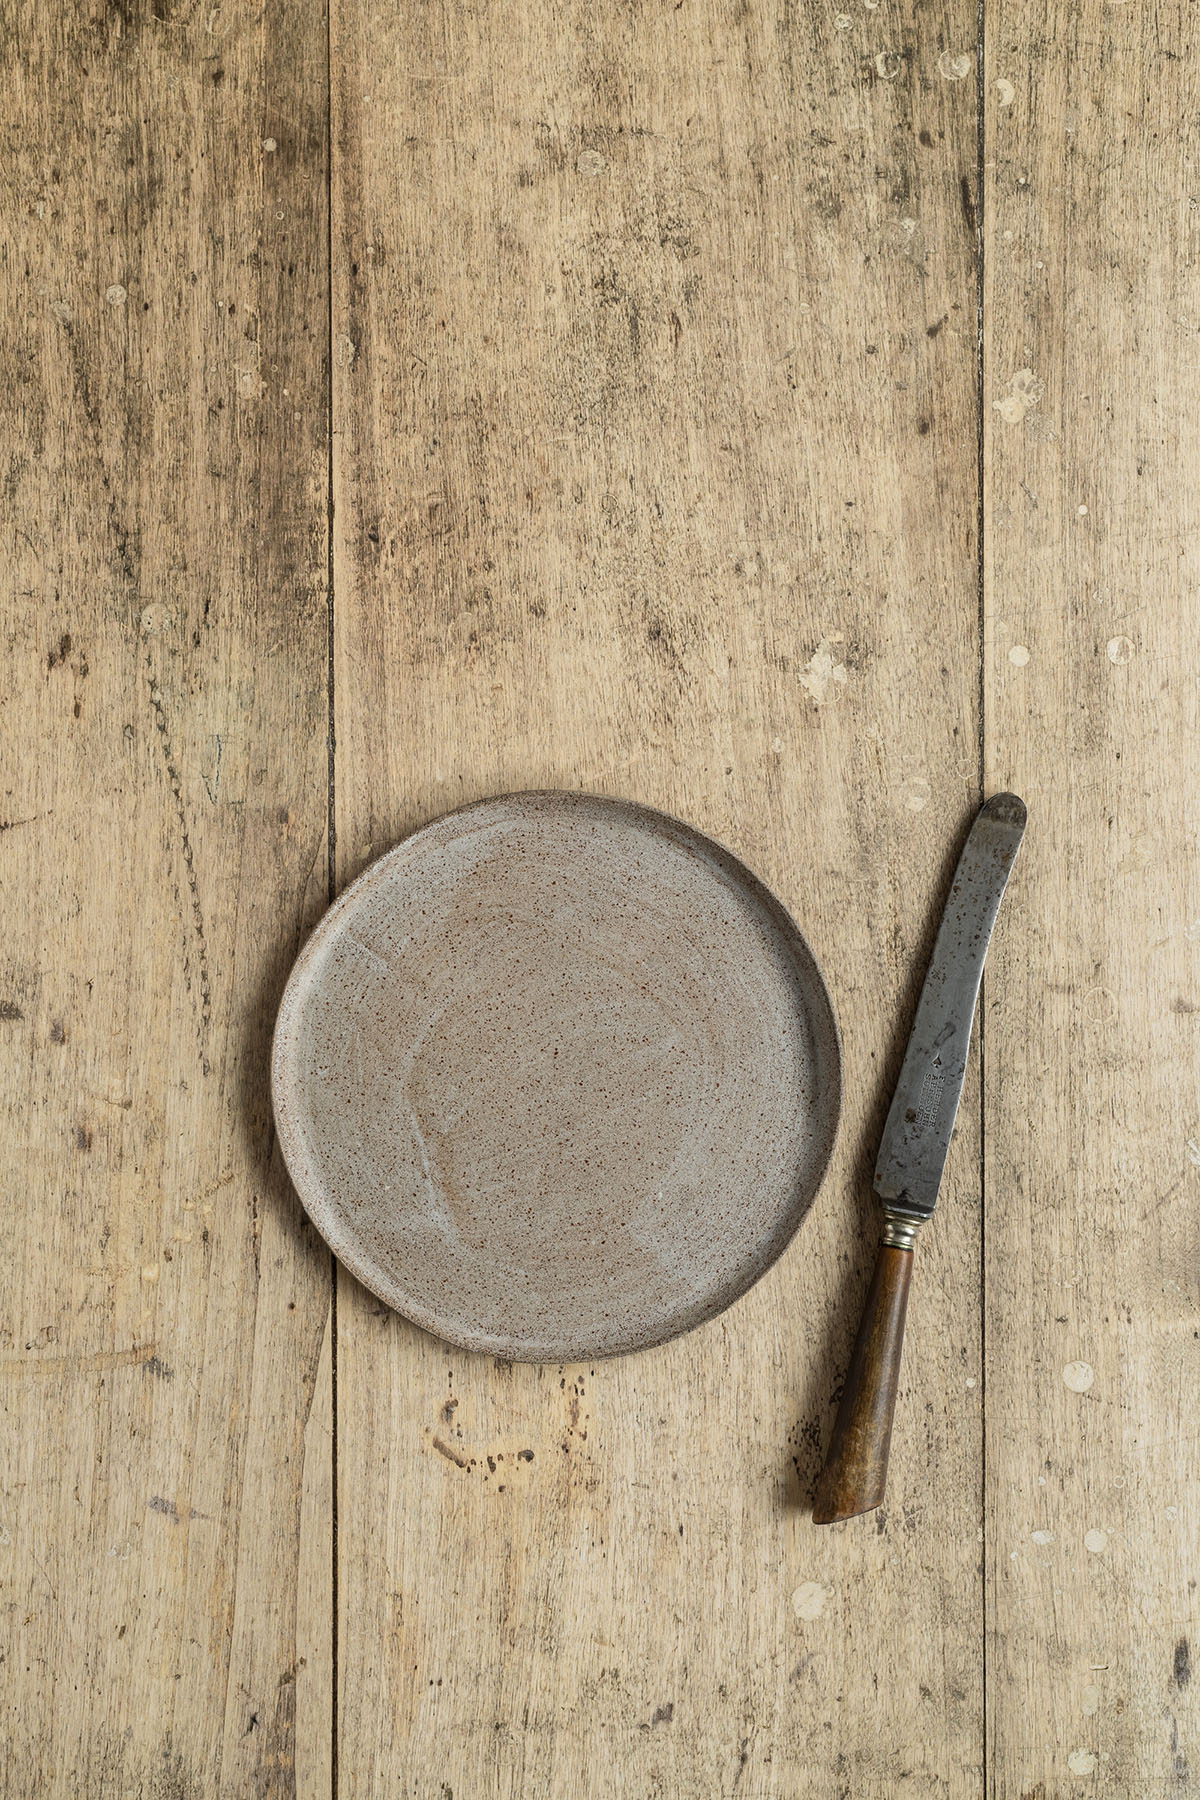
<point x="331" y="842"/>
<point x="981" y="622"/>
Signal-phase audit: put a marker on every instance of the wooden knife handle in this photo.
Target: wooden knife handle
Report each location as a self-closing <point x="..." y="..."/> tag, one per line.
<point x="855" y="1472"/>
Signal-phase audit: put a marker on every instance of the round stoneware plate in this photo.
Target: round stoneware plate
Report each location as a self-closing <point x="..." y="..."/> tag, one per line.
<point x="557" y="1077"/>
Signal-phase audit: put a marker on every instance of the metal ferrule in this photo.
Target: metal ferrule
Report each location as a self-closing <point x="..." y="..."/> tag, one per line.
<point x="900" y="1230"/>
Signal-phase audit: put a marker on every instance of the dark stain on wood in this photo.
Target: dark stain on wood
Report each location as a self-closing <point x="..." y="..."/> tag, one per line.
<point x="968" y="204"/>
<point x="662" y="1716"/>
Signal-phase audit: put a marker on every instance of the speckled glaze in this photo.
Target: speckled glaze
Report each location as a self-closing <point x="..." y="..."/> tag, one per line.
<point x="557" y="1077"/>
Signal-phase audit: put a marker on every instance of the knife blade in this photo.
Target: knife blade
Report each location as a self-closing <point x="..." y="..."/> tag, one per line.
<point x="912" y="1156"/>
<point x="920" y="1121"/>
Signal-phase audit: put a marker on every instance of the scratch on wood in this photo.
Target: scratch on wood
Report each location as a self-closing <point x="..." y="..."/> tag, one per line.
<point x="212" y="788"/>
<point x="117" y="527"/>
<point x="50" y="1368"/>
<point x="159" y="1504"/>
<point x="160" y="719"/>
<point x="208" y="1192"/>
<point x="451" y="1455"/>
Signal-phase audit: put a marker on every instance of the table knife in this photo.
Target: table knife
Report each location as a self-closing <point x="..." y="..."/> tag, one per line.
<point x="912" y="1155"/>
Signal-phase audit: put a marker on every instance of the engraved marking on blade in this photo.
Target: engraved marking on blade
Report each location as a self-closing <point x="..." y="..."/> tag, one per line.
<point x="931" y="1093"/>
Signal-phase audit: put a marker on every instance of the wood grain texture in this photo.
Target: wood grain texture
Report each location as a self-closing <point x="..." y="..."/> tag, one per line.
<point x="1093" y="994"/>
<point x="654" y="399"/>
<point x="654" y="423"/>
<point x="163" y="700"/>
<point x="854" y="1479"/>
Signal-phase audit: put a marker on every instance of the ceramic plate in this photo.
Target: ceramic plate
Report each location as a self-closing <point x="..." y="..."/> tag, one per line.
<point x="557" y="1077"/>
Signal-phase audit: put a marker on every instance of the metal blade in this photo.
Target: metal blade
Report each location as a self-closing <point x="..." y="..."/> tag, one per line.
<point x="916" y="1138"/>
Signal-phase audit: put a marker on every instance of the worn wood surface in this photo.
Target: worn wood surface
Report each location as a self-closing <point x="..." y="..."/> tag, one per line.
<point x="654" y="463"/>
<point x="1092" y="707"/>
<point x="642" y="366"/>
<point x="163" y="284"/>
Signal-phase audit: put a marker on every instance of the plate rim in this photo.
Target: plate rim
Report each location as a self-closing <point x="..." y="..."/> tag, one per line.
<point x="344" y="1250"/>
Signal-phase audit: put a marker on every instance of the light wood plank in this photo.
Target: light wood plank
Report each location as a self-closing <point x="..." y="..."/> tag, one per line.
<point x="164" y="308"/>
<point x="655" y="474"/>
<point x="1093" y="522"/>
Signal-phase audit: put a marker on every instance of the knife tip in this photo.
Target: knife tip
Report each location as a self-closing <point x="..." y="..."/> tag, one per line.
<point x="1007" y="809"/>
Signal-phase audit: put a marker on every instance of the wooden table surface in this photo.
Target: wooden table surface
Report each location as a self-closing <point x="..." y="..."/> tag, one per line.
<point x="783" y="416"/>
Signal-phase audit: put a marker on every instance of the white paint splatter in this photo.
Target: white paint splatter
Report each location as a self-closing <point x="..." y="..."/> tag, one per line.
<point x="1095" y="1541"/>
<point x="1091" y="1700"/>
<point x="1193" y="1153"/>
<point x="1192" y="932"/>
<point x="808" y="1600"/>
<point x="1042" y="1537"/>
<point x="972" y="1381"/>
<point x="822" y="672"/>
<point x="270" y="146"/>
<point x="843" y="21"/>
<point x="115" y="295"/>
<point x="1019" y="655"/>
<point x="915" y="794"/>
<point x="1082" y="511"/>
<point x="1099" y="1004"/>
<point x="954" y="67"/>
<point x="1024" y="392"/>
<point x="1081" y="1762"/>
<point x="155" y="620"/>
<point x="590" y="162"/>
<point x="1006" y="93"/>
<point x="1120" y="650"/>
<point x="1079" y="1376"/>
<point x="1172" y="1512"/>
<point x="887" y="65"/>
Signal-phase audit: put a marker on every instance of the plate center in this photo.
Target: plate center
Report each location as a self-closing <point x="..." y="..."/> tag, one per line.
<point x="565" y="1082"/>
